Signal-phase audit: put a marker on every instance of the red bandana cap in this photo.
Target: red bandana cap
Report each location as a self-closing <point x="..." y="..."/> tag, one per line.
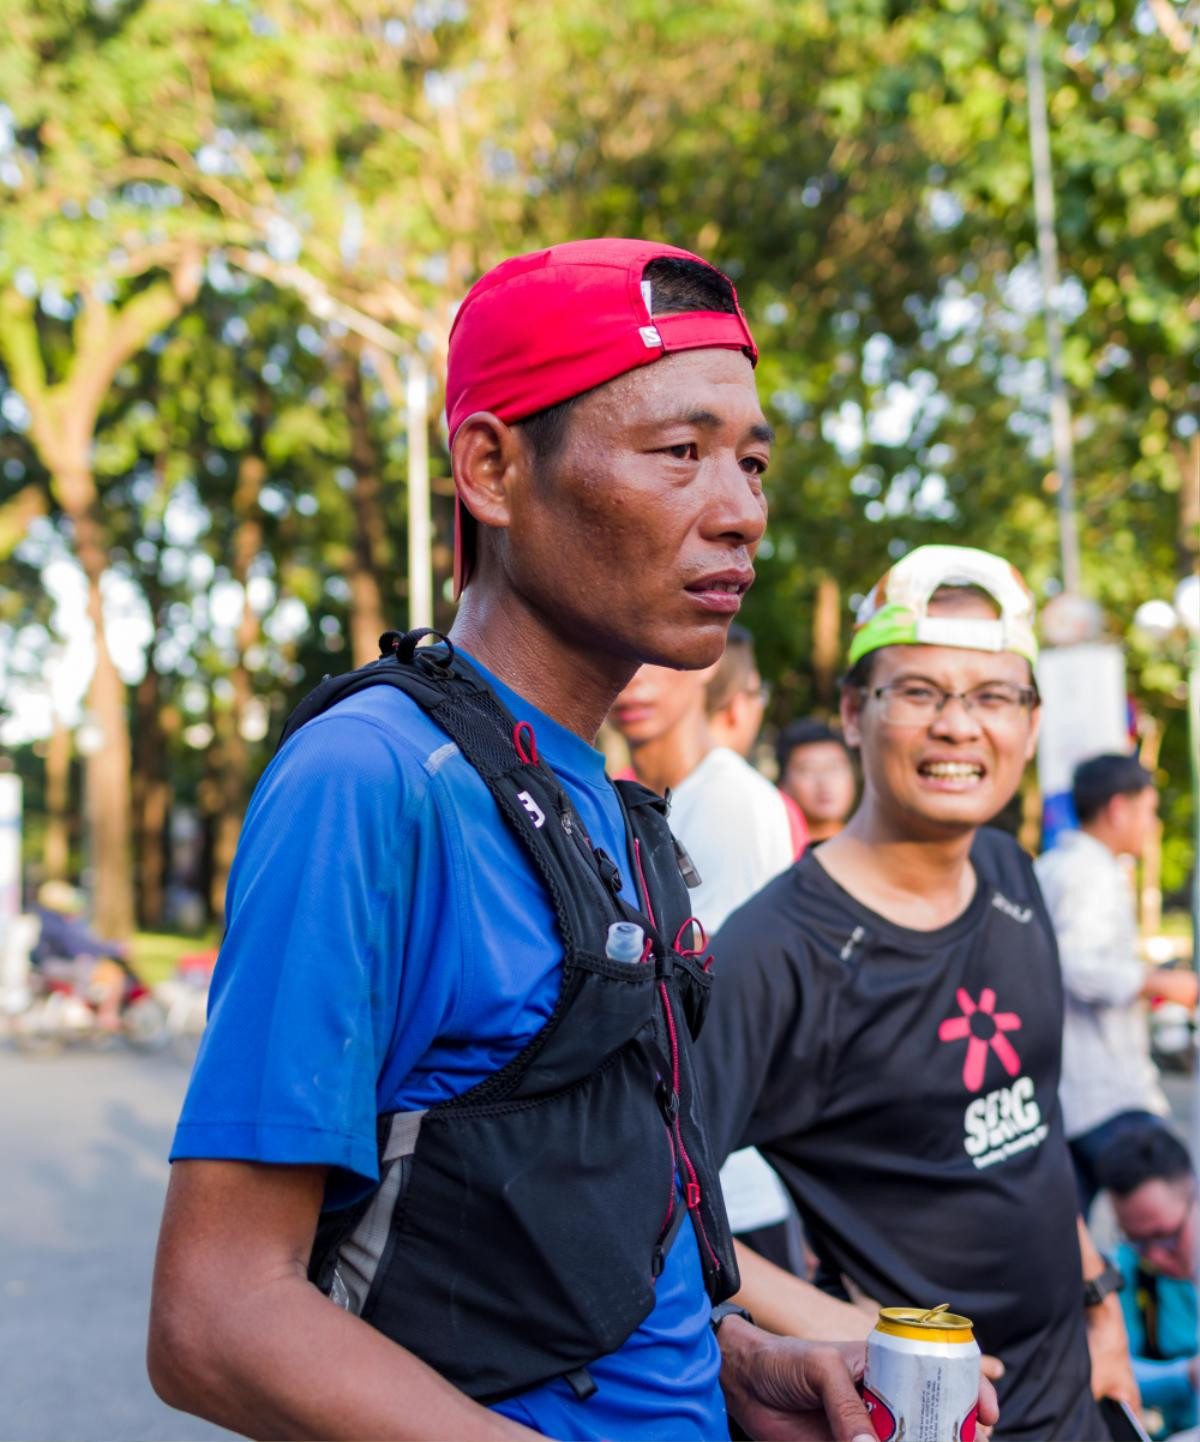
<point x="541" y="328"/>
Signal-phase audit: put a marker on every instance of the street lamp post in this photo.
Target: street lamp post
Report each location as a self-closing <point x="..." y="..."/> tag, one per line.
<point x="1187" y="608"/>
<point x="1159" y="619"/>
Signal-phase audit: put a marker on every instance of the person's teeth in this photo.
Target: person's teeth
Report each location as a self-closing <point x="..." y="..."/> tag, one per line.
<point x="950" y="769"/>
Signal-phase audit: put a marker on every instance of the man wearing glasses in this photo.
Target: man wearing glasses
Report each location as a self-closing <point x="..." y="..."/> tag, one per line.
<point x="886" y="1025"/>
<point x="1149" y="1178"/>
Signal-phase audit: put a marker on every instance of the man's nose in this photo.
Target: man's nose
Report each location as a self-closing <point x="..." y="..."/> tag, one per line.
<point x="955" y="720"/>
<point x="738" y="508"/>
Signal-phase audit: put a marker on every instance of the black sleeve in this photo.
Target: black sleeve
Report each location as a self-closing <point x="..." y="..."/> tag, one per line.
<point x="760" y="1054"/>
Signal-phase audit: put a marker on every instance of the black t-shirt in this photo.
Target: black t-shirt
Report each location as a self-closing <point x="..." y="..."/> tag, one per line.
<point x="904" y="1084"/>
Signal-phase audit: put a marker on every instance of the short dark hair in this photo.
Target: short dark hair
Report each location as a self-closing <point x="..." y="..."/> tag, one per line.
<point x="858" y="678"/>
<point x="733" y="669"/>
<point x="676" y="286"/>
<point x="1099" y="779"/>
<point x="809" y="732"/>
<point x="1143" y="1154"/>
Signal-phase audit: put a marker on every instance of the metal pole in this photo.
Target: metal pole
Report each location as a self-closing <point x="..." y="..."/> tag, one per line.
<point x="1193" y="695"/>
<point x="420" y="531"/>
<point x="1047" y="244"/>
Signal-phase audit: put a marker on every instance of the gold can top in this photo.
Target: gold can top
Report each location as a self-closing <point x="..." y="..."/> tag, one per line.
<point x="933" y="1324"/>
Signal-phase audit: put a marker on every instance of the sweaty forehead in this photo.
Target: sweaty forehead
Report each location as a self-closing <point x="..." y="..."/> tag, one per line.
<point x="712" y="383"/>
<point x="954" y="667"/>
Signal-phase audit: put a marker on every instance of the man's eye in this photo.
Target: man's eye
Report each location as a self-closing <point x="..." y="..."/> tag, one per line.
<point x="993" y="698"/>
<point x="919" y="695"/>
<point x="684" y="451"/>
<point x="754" y="465"/>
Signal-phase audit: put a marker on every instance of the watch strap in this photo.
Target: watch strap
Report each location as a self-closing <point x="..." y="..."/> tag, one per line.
<point x="728" y="1309"/>
<point x="1110" y="1280"/>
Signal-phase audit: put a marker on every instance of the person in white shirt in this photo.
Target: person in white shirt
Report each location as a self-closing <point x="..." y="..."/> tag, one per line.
<point x="728" y="816"/>
<point x="1109" y="1083"/>
<point x="734" y="826"/>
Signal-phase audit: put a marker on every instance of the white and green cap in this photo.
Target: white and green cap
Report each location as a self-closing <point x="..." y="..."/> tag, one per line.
<point x="896" y="610"/>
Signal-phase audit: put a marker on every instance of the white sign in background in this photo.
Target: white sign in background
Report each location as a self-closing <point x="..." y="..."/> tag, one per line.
<point x="1084" y="709"/>
<point x="10" y="850"/>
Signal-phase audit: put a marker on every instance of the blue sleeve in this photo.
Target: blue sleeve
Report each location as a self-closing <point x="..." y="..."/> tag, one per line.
<point x="309" y="992"/>
<point x="1163" y="1384"/>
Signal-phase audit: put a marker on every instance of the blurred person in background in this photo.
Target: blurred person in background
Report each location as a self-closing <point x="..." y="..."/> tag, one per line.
<point x="731" y="820"/>
<point x="735" y="700"/>
<point x="1109" y="1082"/>
<point x="886" y="1024"/>
<point x="817" y="773"/>
<point x="68" y="950"/>
<point x="733" y="825"/>
<point x="1148" y="1176"/>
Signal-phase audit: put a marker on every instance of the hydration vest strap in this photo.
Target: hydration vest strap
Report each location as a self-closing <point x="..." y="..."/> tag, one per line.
<point x="581" y="1383"/>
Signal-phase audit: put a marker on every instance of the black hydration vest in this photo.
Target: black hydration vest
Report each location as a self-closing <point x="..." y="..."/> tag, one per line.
<point x="517" y="1230"/>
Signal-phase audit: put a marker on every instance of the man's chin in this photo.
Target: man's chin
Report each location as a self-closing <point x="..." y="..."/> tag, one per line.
<point x="953" y="815"/>
<point x="686" y="649"/>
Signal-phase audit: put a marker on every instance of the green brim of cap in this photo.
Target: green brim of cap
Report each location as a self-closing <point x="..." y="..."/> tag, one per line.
<point x="896" y="625"/>
<point x="892" y="625"/>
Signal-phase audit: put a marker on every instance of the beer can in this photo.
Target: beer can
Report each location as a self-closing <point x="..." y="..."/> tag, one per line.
<point x="922" y="1379"/>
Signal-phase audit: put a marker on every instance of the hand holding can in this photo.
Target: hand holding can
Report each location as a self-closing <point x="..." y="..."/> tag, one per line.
<point x="922" y="1378"/>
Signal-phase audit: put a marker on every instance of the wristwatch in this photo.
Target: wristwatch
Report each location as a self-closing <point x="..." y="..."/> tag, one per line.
<point x="728" y="1309"/>
<point x="1110" y="1280"/>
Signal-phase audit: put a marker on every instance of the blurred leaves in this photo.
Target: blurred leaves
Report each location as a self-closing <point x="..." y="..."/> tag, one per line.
<point x="342" y="170"/>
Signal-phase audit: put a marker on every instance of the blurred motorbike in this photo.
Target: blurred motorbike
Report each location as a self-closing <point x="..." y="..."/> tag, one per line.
<point x="185" y="996"/>
<point x="58" y="1012"/>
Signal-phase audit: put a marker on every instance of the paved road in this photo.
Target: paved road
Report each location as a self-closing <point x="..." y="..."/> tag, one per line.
<point x="84" y="1137"/>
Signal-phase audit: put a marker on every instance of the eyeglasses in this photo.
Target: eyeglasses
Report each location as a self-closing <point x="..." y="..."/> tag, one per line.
<point x="917" y="702"/>
<point x="1167" y="1241"/>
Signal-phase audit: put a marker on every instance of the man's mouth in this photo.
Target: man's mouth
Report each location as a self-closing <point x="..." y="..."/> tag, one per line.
<point x="722" y="592"/>
<point x="952" y="775"/>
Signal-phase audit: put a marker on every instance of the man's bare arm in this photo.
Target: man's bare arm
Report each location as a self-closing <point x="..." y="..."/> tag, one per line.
<point x="1108" y="1344"/>
<point x="240" y="1336"/>
<point x="780" y="1302"/>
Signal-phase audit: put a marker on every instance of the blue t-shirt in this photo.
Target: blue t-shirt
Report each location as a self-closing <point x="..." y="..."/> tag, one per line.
<point x="389" y="945"/>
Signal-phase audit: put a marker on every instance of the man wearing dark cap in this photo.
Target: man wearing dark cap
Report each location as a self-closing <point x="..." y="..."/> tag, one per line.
<point x="401" y="971"/>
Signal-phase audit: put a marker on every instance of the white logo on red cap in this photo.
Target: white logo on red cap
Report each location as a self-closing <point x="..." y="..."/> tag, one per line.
<point x="650" y="336"/>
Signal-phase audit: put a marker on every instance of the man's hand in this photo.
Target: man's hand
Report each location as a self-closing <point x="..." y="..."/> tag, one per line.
<point x="1166" y="984"/>
<point x="1108" y="1345"/>
<point x="778" y="1387"/>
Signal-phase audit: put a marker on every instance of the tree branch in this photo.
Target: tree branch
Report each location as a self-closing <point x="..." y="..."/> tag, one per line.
<point x="318" y="297"/>
<point x="16" y="514"/>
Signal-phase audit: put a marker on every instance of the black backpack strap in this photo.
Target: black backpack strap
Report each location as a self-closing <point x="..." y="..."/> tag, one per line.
<point x="395" y="666"/>
<point x="663" y="864"/>
<point x="582" y="882"/>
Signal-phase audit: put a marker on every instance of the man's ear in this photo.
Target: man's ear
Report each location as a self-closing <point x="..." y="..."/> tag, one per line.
<point x="485" y="456"/>
<point x="1035" y="724"/>
<point x="850" y="708"/>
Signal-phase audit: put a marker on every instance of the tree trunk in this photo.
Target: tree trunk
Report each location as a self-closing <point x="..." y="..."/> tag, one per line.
<point x="107" y="807"/>
<point x="56" y="853"/>
<point x="151" y="794"/>
<point x="367" y="619"/>
<point x="826" y="641"/>
<point x="232" y="772"/>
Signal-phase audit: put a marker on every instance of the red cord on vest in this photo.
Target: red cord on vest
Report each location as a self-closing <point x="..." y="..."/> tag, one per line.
<point x="530" y="757"/>
<point x="695" y="950"/>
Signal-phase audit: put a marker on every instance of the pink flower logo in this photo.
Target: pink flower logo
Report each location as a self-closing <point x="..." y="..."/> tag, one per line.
<point x="982" y="1027"/>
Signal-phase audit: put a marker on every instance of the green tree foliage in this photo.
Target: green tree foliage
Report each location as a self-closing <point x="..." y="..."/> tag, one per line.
<point x="225" y="225"/>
